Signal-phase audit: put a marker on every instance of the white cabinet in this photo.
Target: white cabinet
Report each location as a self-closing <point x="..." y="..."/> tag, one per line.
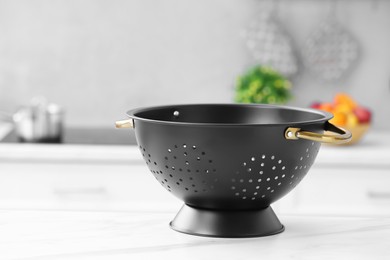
<point x="82" y="186"/>
<point x="345" y="191"/>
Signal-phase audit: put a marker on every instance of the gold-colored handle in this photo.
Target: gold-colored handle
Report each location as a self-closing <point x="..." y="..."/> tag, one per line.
<point x="126" y="123"/>
<point x="339" y="135"/>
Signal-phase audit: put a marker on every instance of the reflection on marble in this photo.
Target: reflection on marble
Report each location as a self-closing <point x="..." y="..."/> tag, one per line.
<point x="54" y="234"/>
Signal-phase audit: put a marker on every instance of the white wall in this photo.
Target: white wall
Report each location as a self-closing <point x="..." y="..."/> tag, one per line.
<point x="100" y="58"/>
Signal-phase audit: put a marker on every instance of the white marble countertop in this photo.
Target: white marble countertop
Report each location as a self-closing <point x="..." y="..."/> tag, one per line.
<point x="37" y="234"/>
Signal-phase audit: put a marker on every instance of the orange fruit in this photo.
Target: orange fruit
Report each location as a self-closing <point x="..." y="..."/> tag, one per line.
<point x="345" y="99"/>
<point x="340" y="118"/>
<point x="344" y="108"/>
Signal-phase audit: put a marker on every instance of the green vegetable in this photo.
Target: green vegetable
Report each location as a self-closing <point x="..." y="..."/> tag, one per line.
<point x="262" y="85"/>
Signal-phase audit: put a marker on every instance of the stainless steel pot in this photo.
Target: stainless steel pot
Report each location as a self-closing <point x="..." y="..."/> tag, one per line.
<point x="38" y="122"/>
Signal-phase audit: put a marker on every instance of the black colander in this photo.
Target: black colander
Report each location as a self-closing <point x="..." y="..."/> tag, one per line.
<point x="229" y="162"/>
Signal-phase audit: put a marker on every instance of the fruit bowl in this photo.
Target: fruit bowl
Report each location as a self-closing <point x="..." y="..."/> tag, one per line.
<point x="348" y="114"/>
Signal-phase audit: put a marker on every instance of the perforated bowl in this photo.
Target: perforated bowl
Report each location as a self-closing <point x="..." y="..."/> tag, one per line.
<point x="229" y="162"/>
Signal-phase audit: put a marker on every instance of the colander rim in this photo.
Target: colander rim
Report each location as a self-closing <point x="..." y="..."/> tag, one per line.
<point x="325" y="115"/>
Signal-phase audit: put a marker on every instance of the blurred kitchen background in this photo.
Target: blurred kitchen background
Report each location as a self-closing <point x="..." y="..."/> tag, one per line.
<point x="99" y="59"/>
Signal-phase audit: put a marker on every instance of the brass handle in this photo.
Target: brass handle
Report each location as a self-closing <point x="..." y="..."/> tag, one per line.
<point x="340" y="135"/>
<point x="126" y="123"/>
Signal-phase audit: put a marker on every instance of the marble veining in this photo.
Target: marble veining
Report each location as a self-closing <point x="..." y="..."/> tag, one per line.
<point x="56" y="234"/>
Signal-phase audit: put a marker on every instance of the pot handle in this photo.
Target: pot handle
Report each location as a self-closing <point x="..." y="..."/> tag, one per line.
<point x="340" y="135"/>
<point x="126" y="123"/>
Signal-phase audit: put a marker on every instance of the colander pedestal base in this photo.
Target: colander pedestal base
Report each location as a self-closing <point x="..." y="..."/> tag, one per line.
<point x="224" y="223"/>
